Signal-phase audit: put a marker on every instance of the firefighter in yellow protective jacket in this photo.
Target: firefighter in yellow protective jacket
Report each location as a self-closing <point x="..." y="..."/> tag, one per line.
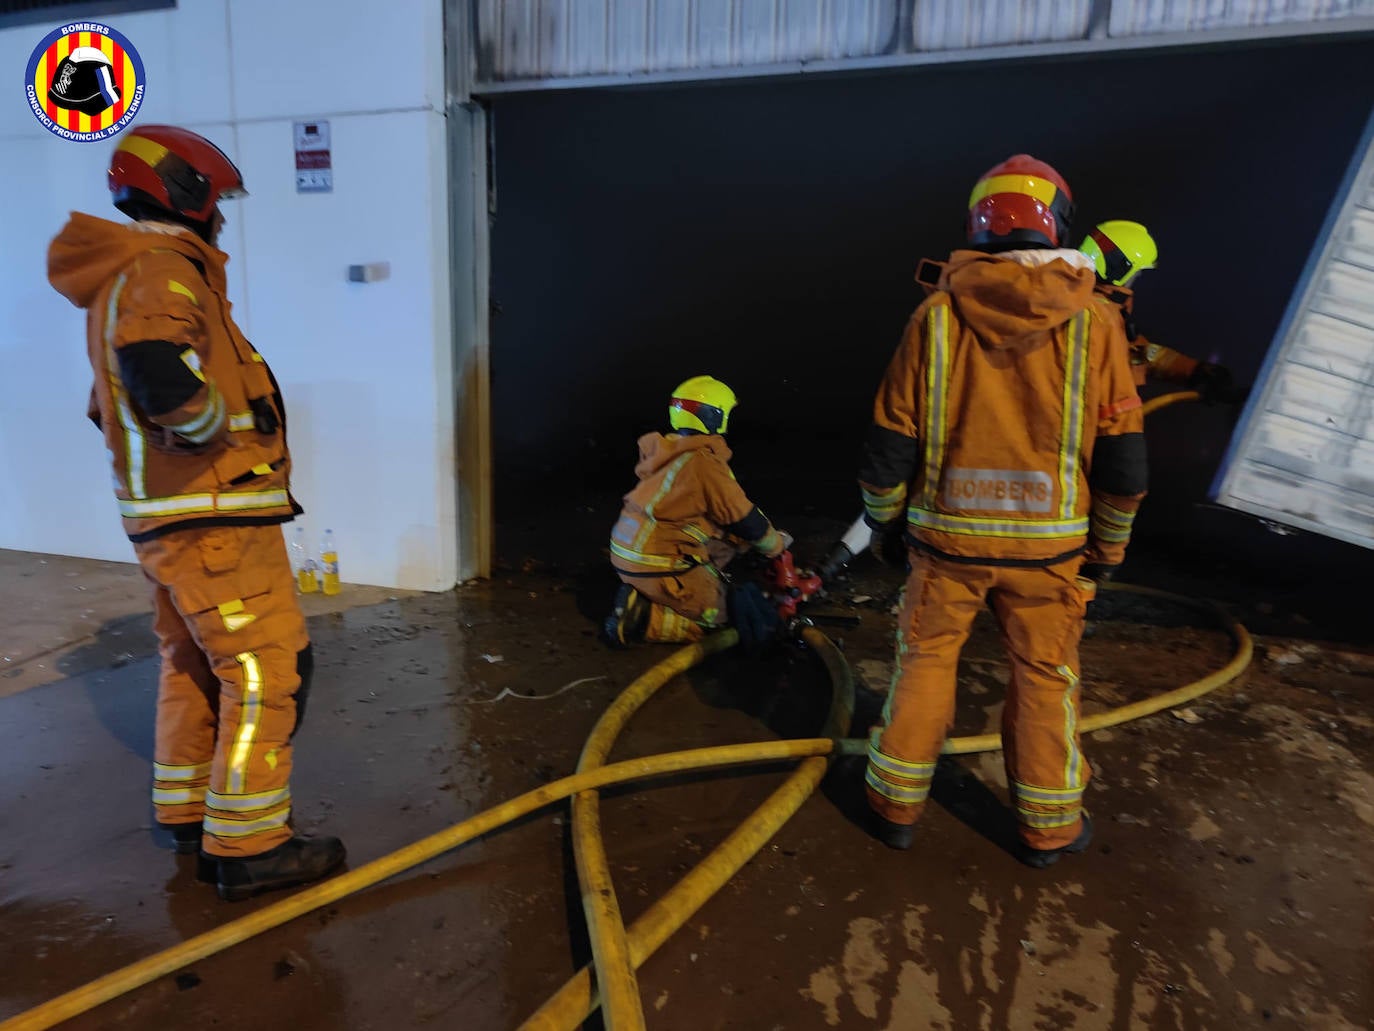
<point x="1120" y="251"/>
<point x="1007" y="445"/>
<point x="685" y="520"/>
<point x="196" y="429"/>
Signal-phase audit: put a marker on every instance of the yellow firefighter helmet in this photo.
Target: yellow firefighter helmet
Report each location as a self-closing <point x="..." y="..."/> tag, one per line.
<point x="1121" y="251"/>
<point x="702" y="404"/>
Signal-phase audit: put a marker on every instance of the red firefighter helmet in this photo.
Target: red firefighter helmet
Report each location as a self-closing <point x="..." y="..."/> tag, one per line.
<point x="173" y="170"/>
<point x="1020" y="203"/>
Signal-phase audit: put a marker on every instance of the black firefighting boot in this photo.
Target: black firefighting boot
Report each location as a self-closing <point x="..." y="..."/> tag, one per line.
<point x="186" y="840"/>
<point x="185" y="836"/>
<point x="1043" y="857"/>
<point x="894" y="835"/>
<point x="295" y="861"/>
<point x="628" y="620"/>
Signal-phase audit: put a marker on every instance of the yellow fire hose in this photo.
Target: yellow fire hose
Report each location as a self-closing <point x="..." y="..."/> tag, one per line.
<point x="615" y="954"/>
<point x="113" y="985"/>
<point x="577" y="999"/>
<point x="1165" y="400"/>
<point x="615" y="970"/>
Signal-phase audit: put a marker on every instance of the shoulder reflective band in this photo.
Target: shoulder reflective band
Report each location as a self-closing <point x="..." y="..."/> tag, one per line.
<point x="240" y="421"/>
<point x="191" y="504"/>
<point x="937" y="393"/>
<point x="1071" y="430"/>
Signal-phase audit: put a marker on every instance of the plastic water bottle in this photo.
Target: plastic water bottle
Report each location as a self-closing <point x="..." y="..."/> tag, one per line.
<point x="329" y="563"/>
<point x="303" y="564"/>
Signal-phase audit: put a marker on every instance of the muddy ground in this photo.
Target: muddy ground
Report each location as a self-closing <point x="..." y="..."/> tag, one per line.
<point x="1229" y="885"/>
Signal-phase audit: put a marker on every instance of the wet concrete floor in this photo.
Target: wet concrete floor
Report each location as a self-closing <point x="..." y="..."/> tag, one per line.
<point x="1229" y="885"/>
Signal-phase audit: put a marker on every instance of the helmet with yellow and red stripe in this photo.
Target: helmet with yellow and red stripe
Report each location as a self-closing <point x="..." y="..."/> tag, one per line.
<point x="1022" y="202"/>
<point x="168" y="171"/>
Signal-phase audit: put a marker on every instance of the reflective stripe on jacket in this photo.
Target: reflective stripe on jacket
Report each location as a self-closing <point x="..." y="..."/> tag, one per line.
<point x="220" y="456"/>
<point x="987" y="437"/>
<point x="686" y="496"/>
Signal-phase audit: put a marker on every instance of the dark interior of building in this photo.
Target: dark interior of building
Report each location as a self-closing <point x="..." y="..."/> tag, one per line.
<point x="766" y="232"/>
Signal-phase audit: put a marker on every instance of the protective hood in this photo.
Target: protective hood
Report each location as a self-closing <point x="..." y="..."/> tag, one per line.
<point x="90" y="251"/>
<point x="1012" y="300"/>
<point x="658" y="449"/>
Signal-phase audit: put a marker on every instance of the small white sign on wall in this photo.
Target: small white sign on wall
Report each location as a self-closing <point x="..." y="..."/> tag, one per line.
<point x="314" y="168"/>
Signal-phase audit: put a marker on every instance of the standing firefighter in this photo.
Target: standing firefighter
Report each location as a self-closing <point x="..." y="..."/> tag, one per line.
<point x="1120" y="251"/>
<point x="685" y="520"/>
<point x="197" y="430"/>
<point x="1009" y="430"/>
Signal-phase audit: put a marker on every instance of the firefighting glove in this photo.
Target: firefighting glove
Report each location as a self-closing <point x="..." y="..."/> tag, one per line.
<point x="1098" y="572"/>
<point x="753" y="616"/>
<point x="888" y="544"/>
<point x="1214" y="383"/>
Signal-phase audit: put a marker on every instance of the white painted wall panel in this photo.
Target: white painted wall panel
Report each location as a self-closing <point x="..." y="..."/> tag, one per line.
<point x="356" y="361"/>
<point x="366" y="368"/>
<point x="348" y="55"/>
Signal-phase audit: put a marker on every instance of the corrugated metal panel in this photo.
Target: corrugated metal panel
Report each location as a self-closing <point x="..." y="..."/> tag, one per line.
<point x="1304" y="455"/>
<point x="959" y="25"/>
<point x="546" y="41"/>
<point x="1141" y="17"/>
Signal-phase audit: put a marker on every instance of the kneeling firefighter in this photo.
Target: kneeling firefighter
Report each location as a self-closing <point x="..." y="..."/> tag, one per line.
<point x="196" y="429"/>
<point x="682" y="524"/>
<point x="1007" y="449"/>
